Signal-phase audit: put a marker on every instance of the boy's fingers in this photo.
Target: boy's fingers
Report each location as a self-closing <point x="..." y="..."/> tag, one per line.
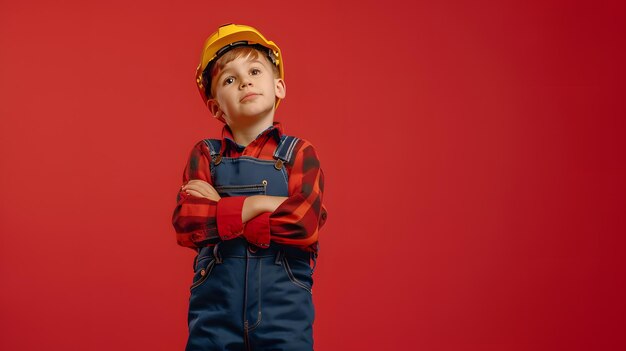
<point x="213" y="198"/>
<point x="201" y="188"/>
<point x="202" y="184"/>
<point x="197" y="189"/>
<point x="194" y="193"/>
<point x="198" y="194"/>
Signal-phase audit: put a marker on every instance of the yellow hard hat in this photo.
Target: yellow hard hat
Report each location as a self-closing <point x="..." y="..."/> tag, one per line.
<point x="227" y="37"/>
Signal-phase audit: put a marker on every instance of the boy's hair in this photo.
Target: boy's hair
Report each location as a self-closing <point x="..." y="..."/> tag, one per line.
<point x="247" y="51"/>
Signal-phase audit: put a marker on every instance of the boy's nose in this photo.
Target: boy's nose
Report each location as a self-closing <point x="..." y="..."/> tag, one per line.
<point x="245" y="83"/>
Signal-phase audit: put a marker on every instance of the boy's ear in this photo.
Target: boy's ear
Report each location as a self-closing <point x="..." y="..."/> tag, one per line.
<point x="214" y="107"/>
<point x="280" y="88"/>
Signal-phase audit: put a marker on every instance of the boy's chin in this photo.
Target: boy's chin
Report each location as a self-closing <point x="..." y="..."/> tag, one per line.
<point x="255" y="114"/>
<point x="246" y="119"/>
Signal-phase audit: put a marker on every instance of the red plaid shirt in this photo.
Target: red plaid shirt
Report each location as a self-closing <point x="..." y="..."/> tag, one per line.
<point x="202" y="222"/>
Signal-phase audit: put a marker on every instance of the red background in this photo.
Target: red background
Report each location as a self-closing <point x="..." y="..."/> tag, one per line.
<point x="473" y="153"/>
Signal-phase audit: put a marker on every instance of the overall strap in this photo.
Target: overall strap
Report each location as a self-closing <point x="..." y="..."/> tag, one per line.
<point x="214" y="146"/>
<point x="284" y="150"/>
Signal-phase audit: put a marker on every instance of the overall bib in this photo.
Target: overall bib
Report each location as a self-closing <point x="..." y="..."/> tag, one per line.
<point x="244" y="297"/>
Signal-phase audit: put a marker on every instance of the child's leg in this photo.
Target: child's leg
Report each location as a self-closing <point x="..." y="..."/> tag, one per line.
<point x="287" y="305"/>
<point x="215" y="305"/>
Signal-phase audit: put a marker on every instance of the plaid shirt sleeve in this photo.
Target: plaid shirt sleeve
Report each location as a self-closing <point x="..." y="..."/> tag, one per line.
<point x="298" y="219"/>
<point x="296" y="222"/>
<point x="194" y="218"/>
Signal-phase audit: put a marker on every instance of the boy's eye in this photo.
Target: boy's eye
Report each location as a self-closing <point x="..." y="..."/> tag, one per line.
<point x="229" y="80"/>
<point x="255" y="71"/>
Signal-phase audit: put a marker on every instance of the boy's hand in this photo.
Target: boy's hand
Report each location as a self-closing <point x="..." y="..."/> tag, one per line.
<point x="200" y="188"/>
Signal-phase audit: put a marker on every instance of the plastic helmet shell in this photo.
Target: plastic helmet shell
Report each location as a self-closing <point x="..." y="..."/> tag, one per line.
<point x="227" y="35"/>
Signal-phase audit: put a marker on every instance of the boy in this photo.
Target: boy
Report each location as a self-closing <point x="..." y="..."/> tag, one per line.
<point x="250" y="204"/>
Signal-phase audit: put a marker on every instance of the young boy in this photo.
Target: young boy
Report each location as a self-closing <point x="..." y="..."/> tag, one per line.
<point x="250" y="204"/>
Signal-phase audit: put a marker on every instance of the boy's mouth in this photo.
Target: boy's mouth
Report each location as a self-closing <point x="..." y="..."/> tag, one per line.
<point x="249" y="96"/>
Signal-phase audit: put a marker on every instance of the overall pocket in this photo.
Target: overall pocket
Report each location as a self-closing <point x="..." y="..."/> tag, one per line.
<point x="299" y="272"/>
<point x="242" y="190"/>
<point x="203" y="269"/>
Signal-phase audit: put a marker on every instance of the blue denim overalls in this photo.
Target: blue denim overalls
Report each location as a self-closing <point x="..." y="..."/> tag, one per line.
<point x="244" y="297"/>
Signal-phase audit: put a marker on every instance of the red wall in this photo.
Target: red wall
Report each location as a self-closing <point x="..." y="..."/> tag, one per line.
<point x="473" y="153"/>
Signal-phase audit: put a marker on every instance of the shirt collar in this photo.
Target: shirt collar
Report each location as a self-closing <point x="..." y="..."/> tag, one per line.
<point x="275" y="130"/>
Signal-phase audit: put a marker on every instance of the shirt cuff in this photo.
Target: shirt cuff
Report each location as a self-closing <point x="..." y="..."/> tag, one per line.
<point x="257" y="230"/>
<point x="229" y="223"/>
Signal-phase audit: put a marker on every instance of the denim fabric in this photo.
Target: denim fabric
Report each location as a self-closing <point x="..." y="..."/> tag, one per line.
<point x="247" y="298"/>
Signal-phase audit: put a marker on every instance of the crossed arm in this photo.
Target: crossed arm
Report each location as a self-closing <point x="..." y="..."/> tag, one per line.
<point x="252" y="205"/>
<point x="202" y="217"/>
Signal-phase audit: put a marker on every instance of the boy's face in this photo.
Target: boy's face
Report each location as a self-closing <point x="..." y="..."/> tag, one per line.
<point x="245" y="90"/>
